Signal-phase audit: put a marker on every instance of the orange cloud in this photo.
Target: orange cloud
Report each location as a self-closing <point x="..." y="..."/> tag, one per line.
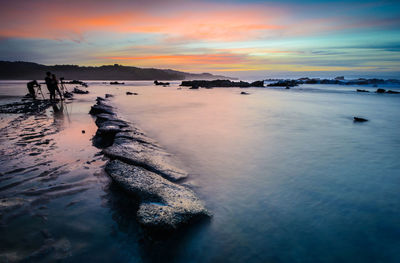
<point x="39" y="20"/>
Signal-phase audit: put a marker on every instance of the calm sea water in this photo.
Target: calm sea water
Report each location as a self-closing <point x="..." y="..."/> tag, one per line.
<point x="287" y="174"/>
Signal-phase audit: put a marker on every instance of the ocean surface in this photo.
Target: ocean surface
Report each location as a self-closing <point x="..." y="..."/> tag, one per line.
<point x="287" y="174"/>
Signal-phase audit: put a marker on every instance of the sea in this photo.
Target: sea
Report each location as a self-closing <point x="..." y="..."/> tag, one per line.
<point x="286" y="173"/>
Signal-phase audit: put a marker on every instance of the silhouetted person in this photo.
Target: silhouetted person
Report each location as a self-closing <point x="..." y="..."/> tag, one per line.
<point x="54" y="81"/>
<point x="31" y="88"/>
<point x="50" y="86"/>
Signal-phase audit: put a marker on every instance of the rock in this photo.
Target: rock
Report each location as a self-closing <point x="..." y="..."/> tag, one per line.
<point x="194" y="87"/>
<point x="83" y="131"/>
<point x="287" y="87"/>
<point x="68" y="94"/>
<point x="164" y="205"/>
<point x="98" y="99"/>
<point x="285" y="83"/>
<point x="101" y="108"/>
<point x="106" y="118"/>
<point x="220" y="83"/>
<point x="145" y="155"/>
<point x="392" y="92"/>
<point x="362" y="90"/>
<point x="380" y="91"/>
<point x="159" y="83"/>
<point x="79" y="91"/>
<point x="105" y="135"/>
<point x="359" y="119"/>
<point x="131" y="93"/>
<point x="244" y="93"/>
<point x="117" y="83"/>
<point x="109" y="96"/>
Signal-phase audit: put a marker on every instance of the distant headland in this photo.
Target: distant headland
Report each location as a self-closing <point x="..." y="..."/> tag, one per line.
<point x="20" y="70"/>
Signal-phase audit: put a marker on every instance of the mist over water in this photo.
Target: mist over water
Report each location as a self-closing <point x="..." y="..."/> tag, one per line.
<point x="287" y="174"/>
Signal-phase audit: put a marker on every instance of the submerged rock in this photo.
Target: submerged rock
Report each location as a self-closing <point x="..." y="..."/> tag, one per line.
<point x="362" y="90"/>
<point x="165" y="205"/>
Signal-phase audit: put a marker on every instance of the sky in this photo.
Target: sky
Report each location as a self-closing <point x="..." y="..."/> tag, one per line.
<point x="247" y="39"/>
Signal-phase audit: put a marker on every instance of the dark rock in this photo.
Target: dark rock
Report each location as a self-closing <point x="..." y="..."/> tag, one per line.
<point x="244" y="93"/>
<point x="98" y="99"/>
<point x="359" y="119"/>
<point x="159" y="83"/>
<point x="117" y="83"/>
<point x="380" y="91"/>
<point x="83" y="131"/>
<point x="101" y="108"/>
<point x="105" y="135"/>
<point x="164" y="205"/>
<point x="285" y="83"/>
<point x="194" y="87"/>
<point x="287" y="87"/>
<point x="68" y="94"/>
<point x="131" y="93"/>
<point x="109" y="96"/>
<point x="392" y="92"/>
<point x="221" y="83"/>
<point x="362" y="90"/>
<point x="79" y="91"/>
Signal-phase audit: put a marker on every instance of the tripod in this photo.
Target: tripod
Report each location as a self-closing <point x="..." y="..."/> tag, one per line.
<point x="39" y="90"/>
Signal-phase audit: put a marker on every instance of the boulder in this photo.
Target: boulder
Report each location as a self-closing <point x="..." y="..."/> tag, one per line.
<point x="164" y="205"/>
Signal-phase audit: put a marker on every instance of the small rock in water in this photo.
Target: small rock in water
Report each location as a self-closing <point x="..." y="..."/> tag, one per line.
<point x="83" y="131"/>
<point x="362" y="90"/>
<point x="392" y="92"/>
<point x="380" y="91"/>
<point x="109" y="95"/>
<point x="359" y="119"/>
<point x="244" y="93"/>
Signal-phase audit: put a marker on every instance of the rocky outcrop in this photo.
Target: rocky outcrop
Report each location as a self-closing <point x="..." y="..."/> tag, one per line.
<point x="164" y="205"/>
<point x="142" y="168"/>
<point x="221" y="84"/>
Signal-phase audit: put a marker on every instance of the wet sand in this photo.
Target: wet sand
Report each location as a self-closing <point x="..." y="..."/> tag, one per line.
<point x="48" y="166"/>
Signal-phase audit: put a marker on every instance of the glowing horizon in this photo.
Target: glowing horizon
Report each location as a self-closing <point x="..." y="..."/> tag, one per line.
<point x="232" y="37"/>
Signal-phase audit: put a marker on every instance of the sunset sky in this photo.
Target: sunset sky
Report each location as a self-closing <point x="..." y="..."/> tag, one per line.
<point x="237" y="38"/>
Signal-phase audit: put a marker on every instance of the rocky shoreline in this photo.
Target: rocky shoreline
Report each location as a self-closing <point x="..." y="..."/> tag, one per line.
<point x="145" y="170"/>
